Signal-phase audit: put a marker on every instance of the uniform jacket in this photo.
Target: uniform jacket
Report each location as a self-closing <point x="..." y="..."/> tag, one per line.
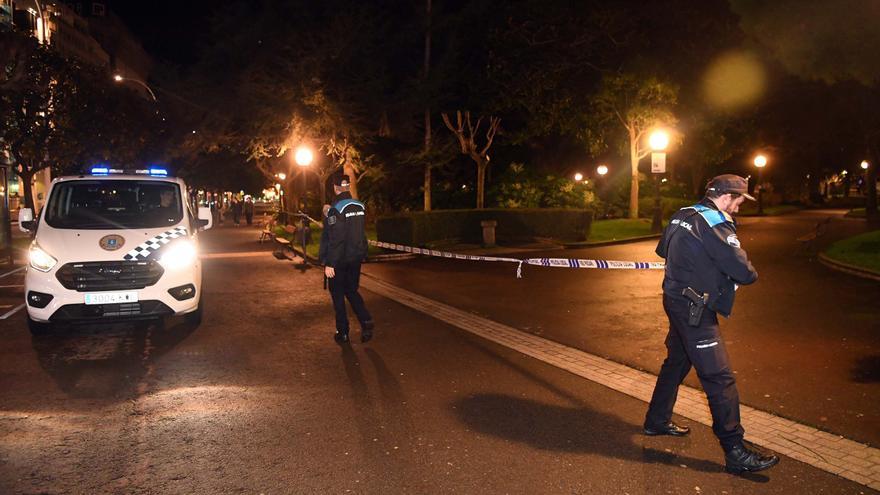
<point x="703" y="252"/>
<point x="343" y="240"/>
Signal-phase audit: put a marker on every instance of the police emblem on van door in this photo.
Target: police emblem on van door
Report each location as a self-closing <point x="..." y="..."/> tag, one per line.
<point x="111" y="242"/>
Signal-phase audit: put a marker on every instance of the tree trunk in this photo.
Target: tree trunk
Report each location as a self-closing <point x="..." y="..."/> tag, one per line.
<point x="481" y="182"/>
<point x="634" y="183"/>
<point x="427" y="67"/>
<point x="27" y="188"/>
<point x="348" y="170"/>
<point x="871" y="213"/>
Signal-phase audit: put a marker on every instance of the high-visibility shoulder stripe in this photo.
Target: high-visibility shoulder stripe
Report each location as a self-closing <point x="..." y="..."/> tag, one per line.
<point x="712" y="217"/>
<point x="344" y="203"/>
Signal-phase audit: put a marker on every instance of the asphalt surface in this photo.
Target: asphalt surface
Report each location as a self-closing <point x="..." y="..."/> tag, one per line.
<point x="804" y="340"/>
<point x="258" y="399"/>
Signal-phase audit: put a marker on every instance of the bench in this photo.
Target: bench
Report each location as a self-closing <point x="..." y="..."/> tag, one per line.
<point x="283" y="243"/>
<point x="808" y="240"/>
<point x="268" y="232"/>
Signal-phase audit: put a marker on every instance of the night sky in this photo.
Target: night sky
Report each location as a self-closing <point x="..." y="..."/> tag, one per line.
<point x="170" y="30"/>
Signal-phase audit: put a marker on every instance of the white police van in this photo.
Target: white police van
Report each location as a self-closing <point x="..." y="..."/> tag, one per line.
<point x="113" y="246"/>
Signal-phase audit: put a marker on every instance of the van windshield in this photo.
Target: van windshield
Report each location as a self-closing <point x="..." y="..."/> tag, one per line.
<point x="114" y="204"/>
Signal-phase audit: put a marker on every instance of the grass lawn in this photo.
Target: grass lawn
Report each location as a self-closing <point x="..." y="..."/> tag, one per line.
<point x="862" y="250"/>
<point x="313" y="247"/>
<point x="750" y="208"/>
<point x="856" y="213"/>
<point x="618" y="228"/>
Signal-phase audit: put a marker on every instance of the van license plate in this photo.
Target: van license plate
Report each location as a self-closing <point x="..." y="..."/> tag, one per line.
<point x="111" y="297"/>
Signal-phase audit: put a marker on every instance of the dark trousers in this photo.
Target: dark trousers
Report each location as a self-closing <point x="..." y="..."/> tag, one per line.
<point x="702" y="348"/>
<point x="344" y="285"/>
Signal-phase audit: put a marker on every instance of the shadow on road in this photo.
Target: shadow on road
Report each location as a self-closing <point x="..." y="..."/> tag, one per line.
<point x="568" y="429"/>
<point x="106" y="361"/>
<point x="576" y="429"/>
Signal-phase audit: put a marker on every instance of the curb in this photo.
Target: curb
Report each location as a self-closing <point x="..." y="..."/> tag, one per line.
<point x="847" y="268"/>
<point x="628" y="240"/>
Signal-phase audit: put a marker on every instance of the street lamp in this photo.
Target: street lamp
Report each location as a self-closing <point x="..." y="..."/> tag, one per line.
<point x="118" y="78"/>
<point x="760" y="162"/>
<point x="303" y="157"/>
<point x="578" y="177"/>
<point x="602" y="170"/>
<point x="864" y="165"/>
<point x="659" y="141"/>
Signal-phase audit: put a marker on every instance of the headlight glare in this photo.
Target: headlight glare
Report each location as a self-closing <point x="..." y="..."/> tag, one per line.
<point x="39" y="259"/>
<point x="179" y="255"/>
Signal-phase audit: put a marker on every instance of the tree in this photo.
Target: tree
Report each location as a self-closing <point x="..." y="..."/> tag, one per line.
<point x="833" y="52"/>
<point x="466" y="132"/>
<point x="36" y="114"/>
<point x="625" y="109"/>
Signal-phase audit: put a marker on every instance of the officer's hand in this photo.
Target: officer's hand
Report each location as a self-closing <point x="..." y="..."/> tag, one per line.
<point x="329" y="271"/>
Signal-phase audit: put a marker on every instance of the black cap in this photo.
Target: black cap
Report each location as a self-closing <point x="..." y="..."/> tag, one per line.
<point x="730" y="183"/>
<point x="341" y="180"/>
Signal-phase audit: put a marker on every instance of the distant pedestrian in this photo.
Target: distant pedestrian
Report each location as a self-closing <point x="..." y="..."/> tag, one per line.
<point x="343" y="249"/>
<point x="705" y="264"/>
<point x="236" y="212"/>
<point x="249" y="210"/>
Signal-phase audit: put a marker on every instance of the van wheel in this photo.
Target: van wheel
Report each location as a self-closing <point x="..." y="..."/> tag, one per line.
<point x="194" y="318"/>
<point x="39" y="327"/>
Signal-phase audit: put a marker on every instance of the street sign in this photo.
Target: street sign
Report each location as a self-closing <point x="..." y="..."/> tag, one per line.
<point x="658" y="163"/>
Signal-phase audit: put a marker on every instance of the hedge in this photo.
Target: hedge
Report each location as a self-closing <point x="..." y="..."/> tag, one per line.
<point x="422" y="228"/>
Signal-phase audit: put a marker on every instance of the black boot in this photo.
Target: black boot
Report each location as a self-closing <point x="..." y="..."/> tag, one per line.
<point x="341" y="338"/>
<point x="367" y="331"/>
<point x="669" y="428"/>
<point x="740" y="458"/>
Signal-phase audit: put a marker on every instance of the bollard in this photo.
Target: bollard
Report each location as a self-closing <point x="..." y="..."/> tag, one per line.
<point x="488" y="232"/>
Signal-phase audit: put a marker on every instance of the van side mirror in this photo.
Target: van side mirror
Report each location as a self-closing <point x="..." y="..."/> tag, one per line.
<point x="206" y="219"/>
<point x="26" y="220"/>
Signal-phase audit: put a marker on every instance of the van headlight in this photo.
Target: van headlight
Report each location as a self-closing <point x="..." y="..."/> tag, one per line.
<point x="39" y="259"/>
<point x="180" y="254"/>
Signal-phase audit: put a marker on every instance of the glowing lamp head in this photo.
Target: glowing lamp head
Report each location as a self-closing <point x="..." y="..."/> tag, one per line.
<point x="578" y="176"/>
<point x="864" y="165"/>
<point x="760" y="161"/>
<point x="602" y="170"/>
<point x="303" y="156"/>
<point x="658" y="140"/>
<point x="117" y="78"/>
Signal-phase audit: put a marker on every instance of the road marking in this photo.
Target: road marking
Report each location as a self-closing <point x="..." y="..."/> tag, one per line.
<point x="248" y="254"/>
<point x="12" y="311"/>
<point x="13" y="271"/>
<point x="828" y="452"/>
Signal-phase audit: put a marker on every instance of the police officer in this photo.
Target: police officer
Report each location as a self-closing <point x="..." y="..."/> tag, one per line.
<point x="705" y="264"/>
<point x="343" y="248"/>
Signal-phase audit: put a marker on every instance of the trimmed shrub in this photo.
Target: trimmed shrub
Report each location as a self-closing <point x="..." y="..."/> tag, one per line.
<point x="422" y="228"/>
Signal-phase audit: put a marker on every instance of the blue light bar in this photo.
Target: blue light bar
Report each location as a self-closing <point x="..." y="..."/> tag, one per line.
<point x="100" y="171"/>
<point x="158" y="172"/>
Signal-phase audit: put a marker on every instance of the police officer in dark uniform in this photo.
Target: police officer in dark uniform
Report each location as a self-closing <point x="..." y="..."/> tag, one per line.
<point x="704" y="266"/>
<point x="343" y="249"/>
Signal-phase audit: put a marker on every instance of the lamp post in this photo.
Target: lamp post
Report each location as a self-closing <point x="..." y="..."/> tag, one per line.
<point x="760" y="162"/>
<point x="303" y="157"/>
<point x="601" y="170"/>
<point x="118" y="78"/>
<point x="659" y="141"/>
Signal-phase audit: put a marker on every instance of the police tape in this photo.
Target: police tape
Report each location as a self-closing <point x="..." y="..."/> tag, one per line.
<point x="547" y="262"/>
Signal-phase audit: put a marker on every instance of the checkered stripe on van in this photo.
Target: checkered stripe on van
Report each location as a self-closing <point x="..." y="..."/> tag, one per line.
<point x="150" y="246"/>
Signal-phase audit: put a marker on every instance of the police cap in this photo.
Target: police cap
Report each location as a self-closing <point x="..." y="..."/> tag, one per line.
<point x="730" y="183"/>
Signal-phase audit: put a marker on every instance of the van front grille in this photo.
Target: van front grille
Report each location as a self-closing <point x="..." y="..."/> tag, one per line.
<point x="109" y="275"/>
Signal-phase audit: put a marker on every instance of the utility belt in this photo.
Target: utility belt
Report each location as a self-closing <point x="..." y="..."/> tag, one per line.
<point x="696" y="305"/>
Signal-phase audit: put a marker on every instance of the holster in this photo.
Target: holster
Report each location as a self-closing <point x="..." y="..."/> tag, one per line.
<point x="696" y="305"/>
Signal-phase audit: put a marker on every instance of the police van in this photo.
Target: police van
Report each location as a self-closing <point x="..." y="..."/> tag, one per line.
<point x="113" y="245"/>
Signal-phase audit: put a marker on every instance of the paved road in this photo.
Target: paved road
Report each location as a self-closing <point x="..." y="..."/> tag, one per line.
<point x="258" y="399"/>
<point x="804" y="340"/>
